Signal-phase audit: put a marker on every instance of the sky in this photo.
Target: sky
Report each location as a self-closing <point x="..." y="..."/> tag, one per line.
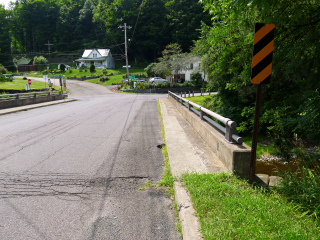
<point x="5" y="3"/>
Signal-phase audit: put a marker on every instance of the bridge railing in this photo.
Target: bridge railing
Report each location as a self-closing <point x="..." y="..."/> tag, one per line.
<point x="229" y="128"/>
<point x="7" y="97"/>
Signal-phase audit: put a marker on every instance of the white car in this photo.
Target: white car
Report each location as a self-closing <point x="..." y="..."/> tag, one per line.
<point x="157" y="80"/>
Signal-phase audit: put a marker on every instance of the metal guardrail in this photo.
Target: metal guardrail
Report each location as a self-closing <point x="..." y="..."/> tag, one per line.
<point x="229" y="130"/>
<point x="7" y="97"/>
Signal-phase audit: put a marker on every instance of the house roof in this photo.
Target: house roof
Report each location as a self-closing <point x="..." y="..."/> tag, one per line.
<point x="102" y="52"/>
<point x="24" y="61"/>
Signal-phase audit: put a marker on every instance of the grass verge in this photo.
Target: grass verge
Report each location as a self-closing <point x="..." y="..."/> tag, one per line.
<point x="167" y="179"/>
<point x="18" y="84"/>
<point x="228" y="208"/>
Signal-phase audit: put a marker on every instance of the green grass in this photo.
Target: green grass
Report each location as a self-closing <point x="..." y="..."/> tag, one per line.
<point x="200" y="100"/>
<point x="228" y="208"/>
<point x="113" y="79"/>
<point x="18" y="84"/>
<point x="167" y="180"/>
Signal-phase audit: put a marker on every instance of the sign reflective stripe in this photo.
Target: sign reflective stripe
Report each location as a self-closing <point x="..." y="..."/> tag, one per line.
<point x="264" y="74"/>
<point x="262" y="54"/>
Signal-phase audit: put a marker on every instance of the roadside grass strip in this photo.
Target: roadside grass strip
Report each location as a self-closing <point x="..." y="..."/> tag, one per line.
<point x="167" y="180"/>
<point x="18" y="84"/>
<point x="229" y="208"/>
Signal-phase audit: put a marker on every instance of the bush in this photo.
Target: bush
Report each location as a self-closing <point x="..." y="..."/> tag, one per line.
<point x="85" y="70"/>
<point x="92" y="68"/>
<point x="70" y="70"/>
<point x="3" y="70"/>
<point x="303" y="186"/>
<point x="39" y="60"/>
<point x="104" y="78"/>
<point x="150" y="70"/>
<point x="62" y="67"/>
<point x="140" y="85"/>
<point x="24" y="78"/>
<point x="2" y="78"/>
<point x="80" y="70"/>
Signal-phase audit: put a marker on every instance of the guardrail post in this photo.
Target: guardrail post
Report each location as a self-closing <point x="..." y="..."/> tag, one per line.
<point x="189" y="106"/>
<point x="230" y="130"/>
<point x="17" y="96"/>
<point x="34" y="95"/>
<point x="201" y="114"/>
<point x="192" y="93"/>
<point x="185" y="94"/>
<point x="201" y="92"/>
<point x="48" y="94"/>
<point x="189" y="93"/>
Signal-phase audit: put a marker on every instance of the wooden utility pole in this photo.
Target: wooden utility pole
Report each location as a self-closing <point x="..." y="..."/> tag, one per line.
<point x="126" y="45"/>
<point x="49" y="44"/>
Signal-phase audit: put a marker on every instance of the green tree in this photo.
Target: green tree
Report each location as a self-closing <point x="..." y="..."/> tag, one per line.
<point x="5" y="41"/>
<point x="290" y="101"/>
<point x="185" y="18"/>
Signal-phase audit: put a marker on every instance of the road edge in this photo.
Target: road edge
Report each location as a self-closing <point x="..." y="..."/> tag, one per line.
<point x="33" y="106"/>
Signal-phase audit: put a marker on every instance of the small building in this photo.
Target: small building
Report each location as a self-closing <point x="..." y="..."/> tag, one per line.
<point x="26" y="65"/>
<point x="101" y="58"/>
<point x="192" y="66"/>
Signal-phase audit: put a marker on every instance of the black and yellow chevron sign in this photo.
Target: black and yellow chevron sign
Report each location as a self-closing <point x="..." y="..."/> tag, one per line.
<point x="262" y="53"/>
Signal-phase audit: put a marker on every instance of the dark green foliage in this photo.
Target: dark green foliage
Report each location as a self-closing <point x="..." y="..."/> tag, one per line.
<point x="92" y="68"/>
<point x="2" y="78"/>
<point x="290" y="104"/>
<point x="62" y="67"/>
<point x="150" y="70"/>
<point x="303" y="186"/>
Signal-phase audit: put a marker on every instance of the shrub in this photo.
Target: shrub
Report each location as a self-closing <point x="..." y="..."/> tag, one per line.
<point x="104" y="78"/>
<point x="70" y="70"/>
<point x="303" y="187"/>
<point x="24" y="78"/>
<point x="39" y="60"/>
<point x="3" y="70"/>
<point x="62" y="67"/>
<point x="80" y="70"/>
<point x="92" y="68"/>
<point x="140" y="85"/>
<point x="85" y="70"/>
<point x="2" y="78"/>
<point x="150" y="70"/>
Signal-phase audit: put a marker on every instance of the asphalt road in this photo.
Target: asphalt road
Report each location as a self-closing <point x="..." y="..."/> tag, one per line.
<point x="73" y="170"/>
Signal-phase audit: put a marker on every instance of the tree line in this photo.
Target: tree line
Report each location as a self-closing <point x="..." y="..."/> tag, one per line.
<point x="73" y="25"/>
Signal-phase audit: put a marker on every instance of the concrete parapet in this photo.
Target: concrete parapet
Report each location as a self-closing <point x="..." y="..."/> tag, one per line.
<point x="27" y="101"/>
<point x="235" y="157"/>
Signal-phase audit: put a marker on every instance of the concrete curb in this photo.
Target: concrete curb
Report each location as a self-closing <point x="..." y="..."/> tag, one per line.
<point x="182" y="159"/>
<point x="189" y="220"/>
<point x="32" y="106"/>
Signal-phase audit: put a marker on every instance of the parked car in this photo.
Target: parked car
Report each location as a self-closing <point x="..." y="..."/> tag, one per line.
<point x="138" y="80"/>
<point x="157" y="80"/>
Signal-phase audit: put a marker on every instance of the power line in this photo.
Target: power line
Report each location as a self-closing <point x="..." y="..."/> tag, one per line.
<point x="134" y="30"/>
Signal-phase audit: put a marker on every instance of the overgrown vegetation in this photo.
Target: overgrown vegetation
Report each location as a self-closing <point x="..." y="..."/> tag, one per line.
<point x="291" y="102"/>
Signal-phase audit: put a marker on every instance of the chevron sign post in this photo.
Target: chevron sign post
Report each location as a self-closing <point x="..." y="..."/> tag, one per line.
<point x="260" y="74"/>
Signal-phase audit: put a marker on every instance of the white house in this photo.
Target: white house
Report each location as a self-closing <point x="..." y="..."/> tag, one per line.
<point x="193" y="65"/>
<point x="101" y="58"/>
